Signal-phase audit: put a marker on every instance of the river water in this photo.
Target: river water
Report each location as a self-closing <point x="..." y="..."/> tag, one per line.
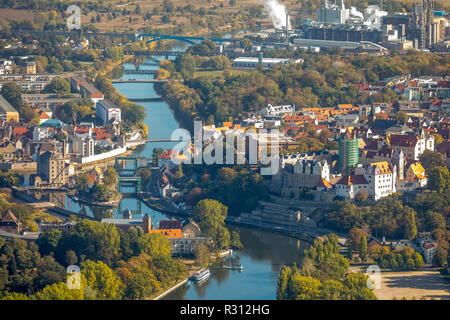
<point x="263" y="254"/>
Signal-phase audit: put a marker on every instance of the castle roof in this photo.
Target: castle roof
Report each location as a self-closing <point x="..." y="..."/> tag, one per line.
<point x="383" y="166"/>
<point x="418" y="170"/>
<point x="349" y="180"/>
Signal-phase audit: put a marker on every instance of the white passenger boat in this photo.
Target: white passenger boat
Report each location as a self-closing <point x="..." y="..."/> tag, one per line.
<point x="201" y="275"/>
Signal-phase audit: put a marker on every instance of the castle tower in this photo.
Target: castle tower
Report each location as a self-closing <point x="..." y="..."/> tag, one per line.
<point x="398" y="159"/>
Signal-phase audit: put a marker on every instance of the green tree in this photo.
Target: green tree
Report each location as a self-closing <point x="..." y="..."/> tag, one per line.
<point x="102" y="279"/>
<point x="246" y="43"/>
<point x="361" y="196"/>
<point x="115" y="54"/>
<point x="202" y="253"/>
<point x="95" y="240"/>
<point x="11" y="91"/>
<point x="440" y="257"/>
<point x="110" y="177"/>
<point x="235" y="240"/>
<point x="59" y="86"/>
<point x="363" y="249"/>
<point x="303" y="288"/>
<point x="439" y="179"/>
<point x="186" y="65"/>
<point x="82" y="182"/>
<point x="283" y="280"/>
<point x="48" y="241"/>
<point x="61" y="136"/>
<point x="332" y="290"/>
<point x="431" y="159"/>
<point x="60" y="291"/>
<point x="154" y="244"/>
<point x="402" y="116"/>
<point x="71" y="257"/>
<point x="410" y="228"/>
<point x="9" y="179"/>
<point x="210" y="214"/>
<point x="434" y="220"/>
<point x="418" y="260"/>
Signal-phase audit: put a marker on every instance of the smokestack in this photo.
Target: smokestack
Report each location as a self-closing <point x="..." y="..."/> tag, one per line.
<point x="287" y="31"/>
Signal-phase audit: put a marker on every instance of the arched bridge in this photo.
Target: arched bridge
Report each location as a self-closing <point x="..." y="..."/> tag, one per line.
<point x="187" y="39"/>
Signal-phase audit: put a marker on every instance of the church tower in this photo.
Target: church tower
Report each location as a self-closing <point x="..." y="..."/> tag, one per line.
<point x="146" y="223"/>
<point x="398" y="159"/>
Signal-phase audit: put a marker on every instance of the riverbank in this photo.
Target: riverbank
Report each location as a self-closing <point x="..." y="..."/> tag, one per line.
<point x="81" y="166"/>
<point x="191" y="272"/>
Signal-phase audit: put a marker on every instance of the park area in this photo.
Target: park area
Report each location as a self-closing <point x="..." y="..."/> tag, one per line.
<point x="427" y="283"/>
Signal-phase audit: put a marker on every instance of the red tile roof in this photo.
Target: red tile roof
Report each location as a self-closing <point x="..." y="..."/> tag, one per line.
<point x="403" y="140"/>
<point x="353" y="179"/>
<point x="323" y="183"/>
<point x="166" y="154"/>
<point x="18" y="131"/>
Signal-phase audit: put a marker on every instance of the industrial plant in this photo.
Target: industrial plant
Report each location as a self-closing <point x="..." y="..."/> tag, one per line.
<point x="366" y="29"/>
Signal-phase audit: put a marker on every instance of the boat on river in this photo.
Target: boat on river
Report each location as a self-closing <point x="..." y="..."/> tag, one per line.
<point x="239" y="267"/>
<point x="201" y="275"/>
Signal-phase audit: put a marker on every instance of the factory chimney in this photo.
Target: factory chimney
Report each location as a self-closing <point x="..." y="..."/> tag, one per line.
<point x="287" y="26"/>
<point x="260" y="59"/>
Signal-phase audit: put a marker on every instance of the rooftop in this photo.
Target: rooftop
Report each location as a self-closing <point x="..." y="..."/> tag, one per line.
<point x="351" y="180"/>
<point x="5" y="106"/>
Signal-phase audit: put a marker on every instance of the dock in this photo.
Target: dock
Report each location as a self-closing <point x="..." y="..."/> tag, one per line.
<point x="165" y="293"/>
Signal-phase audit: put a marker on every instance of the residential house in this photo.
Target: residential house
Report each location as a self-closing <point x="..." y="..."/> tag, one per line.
<point x="10" y="223"/>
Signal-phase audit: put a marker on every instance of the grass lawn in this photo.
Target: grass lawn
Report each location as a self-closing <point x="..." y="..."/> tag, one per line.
<point x="212" y="74"/>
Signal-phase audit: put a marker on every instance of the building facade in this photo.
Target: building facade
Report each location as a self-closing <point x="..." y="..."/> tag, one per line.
<point x="52" y="168"/>
<point x="108" y="112"/>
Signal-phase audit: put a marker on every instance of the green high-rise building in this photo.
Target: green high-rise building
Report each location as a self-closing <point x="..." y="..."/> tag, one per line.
<point x="348" y="153"/>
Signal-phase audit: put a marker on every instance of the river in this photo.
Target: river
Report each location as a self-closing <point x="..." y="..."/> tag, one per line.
<point x="263" y="254"/>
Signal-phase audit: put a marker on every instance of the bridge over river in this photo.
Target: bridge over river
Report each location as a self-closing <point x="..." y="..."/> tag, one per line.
<point x="140" y="81"/>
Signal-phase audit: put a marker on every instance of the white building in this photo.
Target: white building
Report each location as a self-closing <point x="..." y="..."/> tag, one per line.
<point x="5" y="66"/>
<point x="411" y="145"/>
<point x="42" y="133"/>
<point x="381" y="178"/>
<point x="332" y="13"/>
<point x="253" y="62"/>
<point x="83" y="146"/>
<point x="277" y="110"/>
<point x="378" y="179"/>
<point x="108" y="111"/>
<point x="350" y="185"/>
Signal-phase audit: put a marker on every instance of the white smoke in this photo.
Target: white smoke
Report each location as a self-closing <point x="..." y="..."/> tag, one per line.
<point x="277" y="13"/>
<point x="356" y="13"/>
